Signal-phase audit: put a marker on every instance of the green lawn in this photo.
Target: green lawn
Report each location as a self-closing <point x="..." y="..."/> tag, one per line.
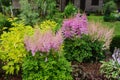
<point x="116" y="24"/>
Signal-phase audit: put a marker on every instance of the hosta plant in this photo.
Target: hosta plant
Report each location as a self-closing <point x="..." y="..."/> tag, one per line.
<point x="111" y="69"/>
<point x="12" y="50"/>
<point x="45" y="60"/>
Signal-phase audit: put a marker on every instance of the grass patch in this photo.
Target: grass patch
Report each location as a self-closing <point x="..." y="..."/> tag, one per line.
<point x="115" y="25"/>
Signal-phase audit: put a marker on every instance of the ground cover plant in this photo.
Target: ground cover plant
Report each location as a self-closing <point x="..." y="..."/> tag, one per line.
<point x="111" y="67"/>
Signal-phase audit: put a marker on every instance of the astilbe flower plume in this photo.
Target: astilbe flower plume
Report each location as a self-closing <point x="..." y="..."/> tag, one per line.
<point x="101" y="33"/>
<point x="75" y="26"/>
<point x="43" y="42"/>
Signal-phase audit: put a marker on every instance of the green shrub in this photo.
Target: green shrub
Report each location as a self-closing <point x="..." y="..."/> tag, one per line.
<point x="116" y="15"/>
<point x="70" y="10"/>
<point x="48" y="25"/>
<point x="46" y="60"/>
<point x="115" y="43"/>
<point x="111" y="69"/>
<point x="12" y="48"/>
<point x="28" y="14"/>
<point x="109" y="7"/>
<point x="110" y="18"/>
<point x="4" y="23"/>
<point x="83" y="49"/>
<point x="37" y="68"/>
<point x="46" y="7"/>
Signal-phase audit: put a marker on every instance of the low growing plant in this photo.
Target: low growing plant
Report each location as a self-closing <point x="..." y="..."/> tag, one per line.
<point x="111" y="69"/>
<point x="12" y="50"/>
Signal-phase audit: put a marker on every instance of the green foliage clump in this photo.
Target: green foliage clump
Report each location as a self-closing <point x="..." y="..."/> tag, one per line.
<point x="70" y="10"/>
<point x="46" y="7"/>
<point x="109" y="7"/>
<point x="48" y="25"/>
<point x="4" y="23"/>
<point x="115" y="43"/>
<point x="111" y="69"/>
<point x="28" y="14"/>
<point x="12" y="50"/>
<point x="83" y="49"/>
<point x="46" y="67"/>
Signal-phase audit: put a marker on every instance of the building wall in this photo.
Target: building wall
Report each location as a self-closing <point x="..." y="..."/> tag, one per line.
<point x="90" y="7"/>
<point x="77" y="3"/>
<point x="16" y="4"/>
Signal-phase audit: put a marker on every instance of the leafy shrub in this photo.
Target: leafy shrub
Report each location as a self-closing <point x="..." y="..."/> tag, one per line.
<point x="70" y="10"/>
<point x="109" y="7"/>
<point x="48" y="25"/>
<point x="46" y="61"/>
<point x="55" y="68"/>
<point x="110" y="18"/>
<point x="115" y="43"/>
<point x="116" y="15"/>
<point x="101" y="33"/>
<point x="28" y="14"/>
<point x="46" y="7"/>
<point x="83" y="49"/>
<point x="77" y="46"/>
<point x="12" y="50"/>
<point x="4" y="23"/>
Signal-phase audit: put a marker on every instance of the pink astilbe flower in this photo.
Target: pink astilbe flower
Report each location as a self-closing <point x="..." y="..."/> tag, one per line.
<point x="75" y="26"/>
<point x="57" y="40"/>
<point x="43" y="42"/>
<point x="101" y="33"/>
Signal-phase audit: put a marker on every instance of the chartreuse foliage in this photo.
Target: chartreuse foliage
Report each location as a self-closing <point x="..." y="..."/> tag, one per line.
<point x="12" y="48"/>
<point x="48" y="25"/>
<point x="38" y="68"/>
